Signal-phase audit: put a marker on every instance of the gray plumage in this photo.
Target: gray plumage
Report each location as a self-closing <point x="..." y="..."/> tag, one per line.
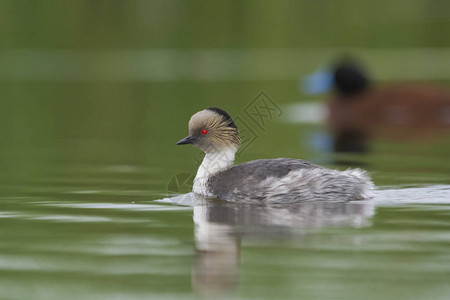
<point x="253" y="172"/>
<point x="286" y="180"/>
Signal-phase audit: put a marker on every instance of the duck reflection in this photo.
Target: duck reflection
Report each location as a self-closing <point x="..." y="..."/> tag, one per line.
<point x="221" y="226"/>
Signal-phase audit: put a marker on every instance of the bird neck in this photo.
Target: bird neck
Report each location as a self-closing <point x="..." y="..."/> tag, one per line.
<point x="216" y="162"/>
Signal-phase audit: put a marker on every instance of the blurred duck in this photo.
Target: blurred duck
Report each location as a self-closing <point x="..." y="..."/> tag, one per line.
<point x="281" y="180"/>
<point x="359" y="111"/>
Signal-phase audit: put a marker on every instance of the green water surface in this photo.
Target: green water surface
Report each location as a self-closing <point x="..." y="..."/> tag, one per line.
<point x="95" y="94"/>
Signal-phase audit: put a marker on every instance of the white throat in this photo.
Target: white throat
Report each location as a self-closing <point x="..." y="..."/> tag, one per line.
<point x="213" y="163"/>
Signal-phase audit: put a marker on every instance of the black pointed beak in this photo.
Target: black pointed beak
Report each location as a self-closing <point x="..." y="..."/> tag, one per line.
<point x="187" y="140"/>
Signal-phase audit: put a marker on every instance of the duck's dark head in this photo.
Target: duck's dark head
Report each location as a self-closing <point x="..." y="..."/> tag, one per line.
<point x="347" y="77"/>
<point x="350" y="78"/>
<point x="212" y="130"/>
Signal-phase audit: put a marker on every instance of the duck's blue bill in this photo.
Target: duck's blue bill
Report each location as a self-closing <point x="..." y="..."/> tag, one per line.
<point x="318" y="82"/>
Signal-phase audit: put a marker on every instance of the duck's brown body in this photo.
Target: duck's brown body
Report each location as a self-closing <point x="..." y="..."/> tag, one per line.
<point x="360" y="109"/>
<point x="399" y="111"/>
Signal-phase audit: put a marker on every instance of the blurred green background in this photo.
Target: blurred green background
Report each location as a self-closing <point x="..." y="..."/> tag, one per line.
<point x="95" y="94"/>
<point x="116" y="81"/>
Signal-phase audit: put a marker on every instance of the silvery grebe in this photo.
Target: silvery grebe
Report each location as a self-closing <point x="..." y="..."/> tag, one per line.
<point x="281" y="180"/>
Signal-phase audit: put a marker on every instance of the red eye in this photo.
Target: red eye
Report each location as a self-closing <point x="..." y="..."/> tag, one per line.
<point x="204" y="131"/>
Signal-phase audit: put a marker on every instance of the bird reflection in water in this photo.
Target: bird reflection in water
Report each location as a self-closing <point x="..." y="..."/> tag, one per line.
<point x="221" y="226"/>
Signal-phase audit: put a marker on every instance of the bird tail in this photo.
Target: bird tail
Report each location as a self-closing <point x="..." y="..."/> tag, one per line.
<point x="365" y="187"/>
